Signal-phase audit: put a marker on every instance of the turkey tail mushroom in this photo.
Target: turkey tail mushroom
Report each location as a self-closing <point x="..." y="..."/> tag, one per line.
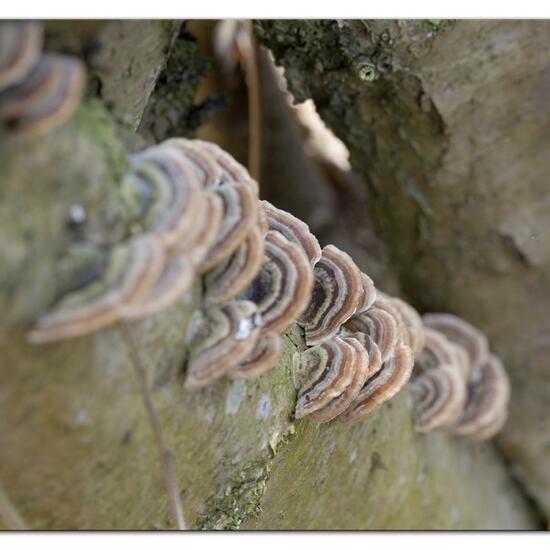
<point x="131" y="271"/>
<point x="439" y="396"/>
<point x="265" y="355"/>
<point x="487" y="402"/>
<point x="294" y="229"/>
<point x="384" y="385"/>
<point x="282" y="288"/>
<point x="337" y="291"/>
<point x="322" y="373"/>
<point x="45" y="99"/>
<point x="20" y="49"/>
<point x="219" y="339"/>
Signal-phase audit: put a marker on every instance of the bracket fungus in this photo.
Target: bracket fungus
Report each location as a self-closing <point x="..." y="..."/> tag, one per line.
<point x="239" y="215"/>
<point x="322" y="373"/>
<point x="487" y="403"/>
<point x="294" y="230"/>
<point x="231" y="276"/>
<point x="20" y="49"/>
<point x="207" y="169"/>
<point x="132" y="269"/>
<point x="369" y="294"/>
<point x="439" y="396"/>
<point x="282" y="288"/>
<point x="439" y="350"/>
<point x="337" y="291"/>
<point x="265" y="354"/>
<point x="46" y="98"/>
<point x="219" y="338"/>
<point x="361" y="368"/>
<point x="169" y="195"/>
<point x="172" y="284"/>
<point x="462" y="333"/>
<point x="380" y="325"/>
<point x="389" y="380"/>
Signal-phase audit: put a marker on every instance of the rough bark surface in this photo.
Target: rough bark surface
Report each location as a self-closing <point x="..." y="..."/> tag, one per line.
<point x="76" y="447"/>
<point x="448" y="123"/>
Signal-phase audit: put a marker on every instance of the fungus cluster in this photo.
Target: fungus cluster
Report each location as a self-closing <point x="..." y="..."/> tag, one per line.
<point x="195" y="211"/>
<point x="457" y="384"/>
<point x="38" y="91"/>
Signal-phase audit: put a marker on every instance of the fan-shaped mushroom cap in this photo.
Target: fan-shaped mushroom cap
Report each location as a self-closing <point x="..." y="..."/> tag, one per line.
<point x="208" y="170"/>
<point x="439" y="350"/>
<point x="232" y="275"/>
<point x="462" y="333"/>
<point x="380" y="325"/>
<point x="361" y="372"/>
<point x="202" y="237"/>
<point x="170" y="196"/>
<point x="487" y="401"/>
<point x="219" y="339"/>
<point x="375" y="357"/>
<point x="413" y="324"/>
<point x="173" y="283"/>
<point x="239" y="215"/>
<point x="46" y="98"/>
<point x="265" y="355"/>
<point x="282" y="289"/>
<point x="132" y="269"/>
<point x="232" y="171"/>
<point x="294" y="229"/>
<point x="389" y="380"/>
<point x="369" y="294"/>
<point x="337" y="290"/>
<point x="322" y="373"/>
<point x="439" y="396"/>
<point x="20" y="48"/>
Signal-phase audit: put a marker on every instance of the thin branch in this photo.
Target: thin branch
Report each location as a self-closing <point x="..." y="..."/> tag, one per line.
<point x="164" y="453"/>
<point x="9" y="515"/>
<point x="250" y="63"/>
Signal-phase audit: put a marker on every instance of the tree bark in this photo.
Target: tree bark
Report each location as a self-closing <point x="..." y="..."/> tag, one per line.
<point x="448" y="124"/>
<point x="77" y="450"/>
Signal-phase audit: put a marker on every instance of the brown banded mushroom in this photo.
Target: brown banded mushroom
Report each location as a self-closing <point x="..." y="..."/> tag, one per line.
<point x="337" y="291"/>
<point x="173" y="283"/>
<point x="169" y="198"/>
<point x="282" y="288"/>
<point x="294" y="230"/>
<point x="439" y="396"/>
<point x="413" y="324"/>
<point x="20" y="49"/>
<point x="46" y="98"/>
<point x="232" y="275"/>
<point x="369" y="294"/>
<point x="375" y="357"/>
<point x="239" y="215"/>
<point x="207" y="169"/>
<point x="202" y="237"/>
<point x="219" y="338"/>
<point x="232" y="171"/>
<point x="361" y="372"/>
<point x="322" y="373"/>
<point x="487" y="401"/>
<point x="265" y="355"/>
<point x="462" y="333"/>
<point x="439" y="350"/>
<point x="132" y="269"/>
<point x="384" y="385"/>
<point x="380" y="325"/>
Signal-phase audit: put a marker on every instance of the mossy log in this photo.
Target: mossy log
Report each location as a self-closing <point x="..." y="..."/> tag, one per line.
<point x="77" y="450"/>
<point x="447" y="124"/>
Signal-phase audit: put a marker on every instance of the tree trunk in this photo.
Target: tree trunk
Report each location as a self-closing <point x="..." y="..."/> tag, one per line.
<point x="77" y="450"/>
